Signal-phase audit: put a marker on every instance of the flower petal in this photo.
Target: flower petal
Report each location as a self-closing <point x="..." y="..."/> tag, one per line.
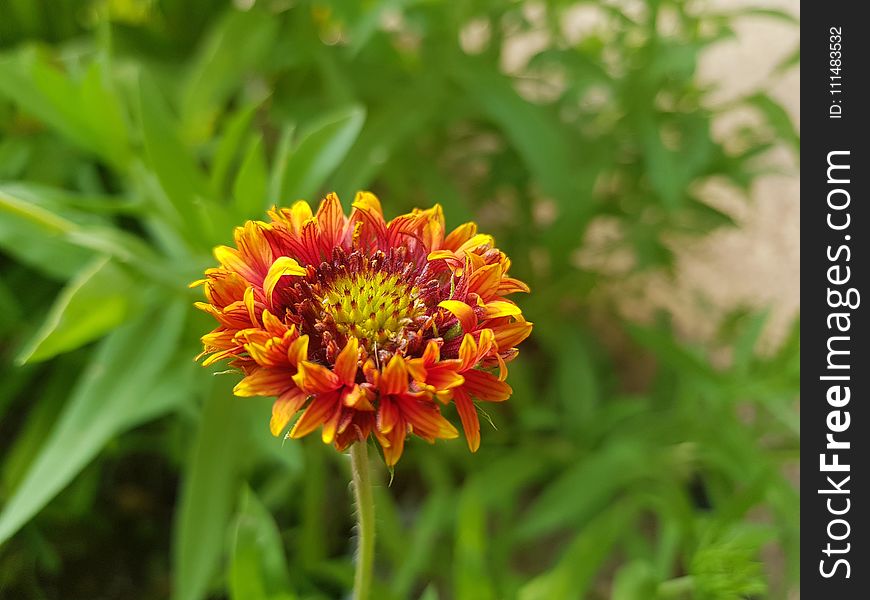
<point x="486" y="386"/>
<point x="330" y="426"/>
<point x="468" y="415"/>
<point x="298" y="350"/>
<point x="232" y="260"/>
<point x="500" y="308"/>
<point x="394" y="379"/>
<point x="346" y="362"/>
<point x="316" y="413"/>
<point x="511" y="334"/>
<point x="432" y="232"/>
<point x="284" y="408"/>
<point x="331" y="222"/>
<point x="468" y="352"/>
<point x="509" y="285"/>
<point x="314" y="378"/>
<point x="444" y="377"/>
<point x="368" y="220"/>
<point x="459" y="236"/>
<point x="357" y="398"/>
<point x="484" y="281"/>
<point x="264" y="382"/>
<point x="425" y="419"/>
<point x="395" y="444"/>
<point x="273" y="324"/>
<point x="388" y="415"/>
<point x="283" y="265"/>
<point x="462" y="312"/>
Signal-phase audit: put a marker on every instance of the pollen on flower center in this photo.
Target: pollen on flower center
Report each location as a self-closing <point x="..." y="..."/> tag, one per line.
<point x="372" y="306"/>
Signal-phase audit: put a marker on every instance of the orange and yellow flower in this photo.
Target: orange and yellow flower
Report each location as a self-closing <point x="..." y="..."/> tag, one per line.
<point x="367" y="327"/>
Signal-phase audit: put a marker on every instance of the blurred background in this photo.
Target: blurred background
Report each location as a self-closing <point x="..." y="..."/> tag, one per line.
<point x="638" y="160"/>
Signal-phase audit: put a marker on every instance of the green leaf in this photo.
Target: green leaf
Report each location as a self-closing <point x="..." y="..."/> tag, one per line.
<point x="258" y="568"/>
<point x="792" y="60"/>
<point x="770" y="13"/>
<point x="575" y="571"/>
<point x="35" y="214"/>
<point x="252" y="181"/>
<point x="180" y="177"/>
<point x="777" y="118"/>
<point x="96" y="301"/>
<point x="727" y="564"/>
<point x="587" y="487"/>
<point x="384" y="132"/>
<point x="319" y="151"/>
<point x="236" y="46"/>
<point x="430" y="593"/>
<point x="110" y="397"/>
<point x="578" y="385"/>
<point x="35" y="237"/>
<point x="699" y="217"/>
<point x="561" y="168"/>
<point x="420" y="549"/>
<point x="230" y="142"/>
<point x="470" y="578"/>
<point x="678" y="357"/>
<point x="87" y="112"/>
<point x="39" y="422"/>
<point x="671" y="170"/>
<point x="745" y="344"/>
<point x="209" y="489"/>
<point x="34" y="209"/>
<point x="635" y="581"/>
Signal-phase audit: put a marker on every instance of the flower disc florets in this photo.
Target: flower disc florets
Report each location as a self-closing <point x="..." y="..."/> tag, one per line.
<point x="365" y="326"/>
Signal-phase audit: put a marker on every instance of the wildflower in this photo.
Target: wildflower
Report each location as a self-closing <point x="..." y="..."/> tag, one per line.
<point x="367" y="327"/>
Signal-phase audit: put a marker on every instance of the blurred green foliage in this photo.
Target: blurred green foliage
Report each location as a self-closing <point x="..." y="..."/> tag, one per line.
<point x="134" y="134"/>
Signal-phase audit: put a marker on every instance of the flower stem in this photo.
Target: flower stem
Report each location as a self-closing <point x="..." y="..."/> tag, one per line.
<point x="365" y="513"/>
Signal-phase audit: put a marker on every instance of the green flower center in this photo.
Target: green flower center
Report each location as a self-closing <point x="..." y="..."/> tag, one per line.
<point x="372" y="306"/>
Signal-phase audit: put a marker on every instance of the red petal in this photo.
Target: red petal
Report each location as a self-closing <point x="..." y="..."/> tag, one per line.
<point x="462" y="312"/>
<point x="468" y="352"/>
<point x="459" y="236"/>
<point x="485" y="280"/>
<point x="314" y="378"/>
<point x="367" y="212"/>
<point x="346" y="362"/>
<point x="485" y="386"/>
<point x="331" y="221"/>
<point x="388" y="415"/>
<point x="298" y="350"/>
<point x="426" y="419"/>
<point x="443" y="378"/>
<point x="330" y="426"/>
<point x="231" y="259"/>
<point x="284" y="408"/>
<point x="314" y="415"/>
<point x="468" y="415"/>
<point x="511" y="334"/>
<point x="394" y="379"/>
<point x="264" y="382"/>
<point x="509" y="285"/>
<point x="395" y="445"/>
<point x="501" y="308"/>
<point x="284" y="266"/>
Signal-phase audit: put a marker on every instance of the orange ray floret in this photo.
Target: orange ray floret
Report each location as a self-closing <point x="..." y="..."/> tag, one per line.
<point x="364" y="327"/>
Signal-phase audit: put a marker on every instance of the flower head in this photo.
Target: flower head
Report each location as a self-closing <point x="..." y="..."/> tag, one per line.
<point x="367" y="327"/>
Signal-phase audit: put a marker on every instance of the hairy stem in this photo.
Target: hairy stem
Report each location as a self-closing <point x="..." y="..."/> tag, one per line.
<point x="365" y="514"/>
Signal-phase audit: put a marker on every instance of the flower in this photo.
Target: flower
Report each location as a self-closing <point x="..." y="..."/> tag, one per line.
<point x="367" y="327"/>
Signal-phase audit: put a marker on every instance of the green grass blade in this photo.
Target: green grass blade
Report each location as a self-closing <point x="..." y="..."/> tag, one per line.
<point x="106" y="400"/>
